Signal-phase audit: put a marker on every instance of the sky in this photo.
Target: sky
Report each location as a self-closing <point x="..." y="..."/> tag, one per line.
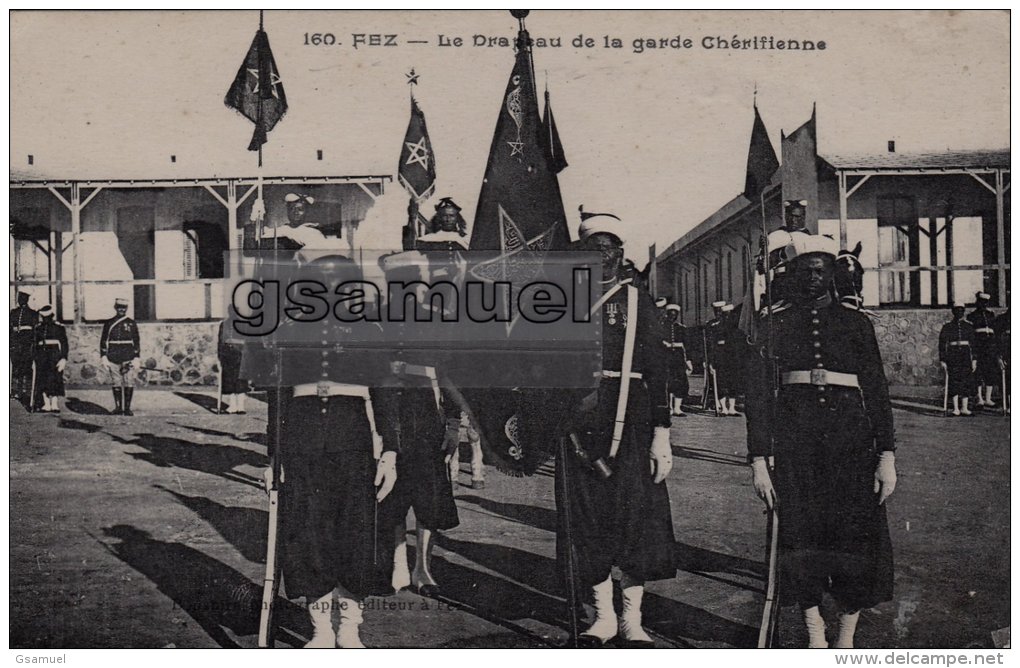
<point x="658" y="137"/>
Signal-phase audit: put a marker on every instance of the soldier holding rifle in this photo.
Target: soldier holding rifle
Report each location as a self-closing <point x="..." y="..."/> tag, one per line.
<point x="612" y="506"/>
<point x="821" y="408"/>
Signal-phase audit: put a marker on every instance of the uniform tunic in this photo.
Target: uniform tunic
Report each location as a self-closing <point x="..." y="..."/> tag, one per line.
<point x="983" y="320"/>
<point x="51" y="347"/>
<point x="826" y="439"/>
<point x="956" y="350"/>
<point x="624" y="520"/>
<point x="120" y="344"/>
<point x="23" y="322"/>
<point x="230" y="365"/>
<point x="331" y="529"/>
<point x="676" y="344"/>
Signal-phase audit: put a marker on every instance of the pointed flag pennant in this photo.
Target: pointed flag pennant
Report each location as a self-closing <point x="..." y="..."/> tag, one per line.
<point x="553" y="145"/>
<point x="257" y="91"/>
<point x="417" y="169"/>
<point x="762" y="162"/>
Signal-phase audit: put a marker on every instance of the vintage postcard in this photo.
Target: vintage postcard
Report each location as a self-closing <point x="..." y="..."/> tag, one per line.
<point x="510" y="329"/>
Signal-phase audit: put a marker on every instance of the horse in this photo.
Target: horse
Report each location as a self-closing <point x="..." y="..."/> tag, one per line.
<point x="849" y="278"/>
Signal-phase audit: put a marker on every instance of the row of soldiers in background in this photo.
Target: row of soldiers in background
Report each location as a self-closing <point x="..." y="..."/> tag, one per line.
<point x="725" y="351"/>
<point x="38" y="346"/>
<point x="974" y="352"/>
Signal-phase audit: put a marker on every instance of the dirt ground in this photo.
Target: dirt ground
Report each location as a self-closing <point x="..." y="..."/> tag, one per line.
<point x="149" y="531"/>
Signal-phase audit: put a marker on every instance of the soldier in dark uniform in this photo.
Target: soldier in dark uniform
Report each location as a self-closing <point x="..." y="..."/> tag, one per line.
<point x="1002" y="349"/>
<point x="956" y="353"/>
<point x="830" y="431"/>
<point x="23" y="322"/>
<point x="983" y="320"/>
<point x="622" y="520"/>
<point x="725" y="357"/>
<point x="429" y="426"/>
<point x="50" y="360"/>
<point x="119" y="348"/>
<point x="337" y="449"/>
<point x="794" y="215"/>
<point x="232" y="386"/>
<point x="679" y="365"/>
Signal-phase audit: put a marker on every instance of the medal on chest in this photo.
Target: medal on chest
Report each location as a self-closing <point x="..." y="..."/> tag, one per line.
<point x="613" y="314"/>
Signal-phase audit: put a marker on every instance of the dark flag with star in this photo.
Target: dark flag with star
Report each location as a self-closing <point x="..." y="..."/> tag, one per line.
<point x="520" y="213"/>
<point x="417" y="169"/>
<point x="520" y="201"/>
<point x="257" y="91"/>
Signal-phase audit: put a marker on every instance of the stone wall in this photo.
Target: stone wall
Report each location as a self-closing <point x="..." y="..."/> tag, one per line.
<point x="173" y="354"/>
<point x="909" y="341"/>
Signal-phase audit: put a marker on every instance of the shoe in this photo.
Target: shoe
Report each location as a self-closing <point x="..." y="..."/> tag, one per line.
<point x="321" y="614"/>
<point x="605" y="626"/>
<point x="956" y="412"/>
<point x="427" y="590"/>
<point x="632" y="634"/>
<point x="127" y="411"/>
<point x="965" y="411"/>
<point x="347" y="634"/>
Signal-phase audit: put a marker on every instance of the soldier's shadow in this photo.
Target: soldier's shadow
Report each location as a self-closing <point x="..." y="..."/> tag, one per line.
<point x="215" y="595"/>
<point x="216" y="459"/>
<point x="79" y="426"/>
<point x="540" y="518"/>
<point x="244" y="528"/>
<point x="258" y="437"/>
<point x="709" y="456"/>
<point x="500" y="597"/>
<point x="76" y="405"/>
<point x="208" y="402"/>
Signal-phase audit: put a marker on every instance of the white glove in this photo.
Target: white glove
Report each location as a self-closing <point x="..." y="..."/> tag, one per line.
<point x="690" y="367"/>
<point x="267" y="478"/>
<point x="106" y="362"/>
<point x="136" y="363"/>
<point x="661" y="454"/>
<point x="61" y="365"/>
<point x="762" y="481"/>
<point x="885" y="476"/>
<point x="385" y="474"/>
<point x="945" y="367"/>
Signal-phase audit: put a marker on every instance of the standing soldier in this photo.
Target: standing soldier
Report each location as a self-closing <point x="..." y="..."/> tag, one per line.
<point x="428" y="424"/>
<point x="335" y="443"/>
<point x="679" y="366"/>
<point x="983" y="320"/>
<point x="828" y="425"/>
<point x="725" y="357"/>
<point x="23" y="322"/>
<point x="612" y="506"/>
<point x="120" y="348"/>
<point x="232" y="386"/>
<point x="50" y="360"/>
<point x="956" y="353"/>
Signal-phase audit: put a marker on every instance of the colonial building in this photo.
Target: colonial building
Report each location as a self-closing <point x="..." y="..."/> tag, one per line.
<point x="933" y="227"/>
<point x="160" y="242"/>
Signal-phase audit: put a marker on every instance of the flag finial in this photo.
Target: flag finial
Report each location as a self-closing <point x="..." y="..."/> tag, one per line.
<point x="412" y="77"/>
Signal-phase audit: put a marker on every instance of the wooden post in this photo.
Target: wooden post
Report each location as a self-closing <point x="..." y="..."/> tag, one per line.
<point x="1000" y="237"/>
<point x="76" y="258"/>
<point x="842" y="210"/>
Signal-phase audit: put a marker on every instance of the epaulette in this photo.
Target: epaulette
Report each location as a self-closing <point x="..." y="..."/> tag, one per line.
<point x="776" y="308"/>
<point x="859" y="309"/>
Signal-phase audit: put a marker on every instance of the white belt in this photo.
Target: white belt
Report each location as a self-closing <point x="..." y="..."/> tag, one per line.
<point x="959" y="343"/>
<point x="820" y="377"/>
<point x="49" y="342"/>
<point x="22" y="328"/>
<point x="985" y="330"/>
<point x="616" y="374"/>
<point x="121" y="342"/>
<point x="328" y="388"/>
<point x="721" y="343"/>
<point x="674" y="345"/>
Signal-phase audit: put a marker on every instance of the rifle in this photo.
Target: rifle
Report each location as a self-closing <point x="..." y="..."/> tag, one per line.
<point x="770" y="612"/>
<point x="706" y="373"/>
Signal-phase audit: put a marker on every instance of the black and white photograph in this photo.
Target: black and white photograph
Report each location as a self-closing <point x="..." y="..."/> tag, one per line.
<point x="499" y="329"/>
